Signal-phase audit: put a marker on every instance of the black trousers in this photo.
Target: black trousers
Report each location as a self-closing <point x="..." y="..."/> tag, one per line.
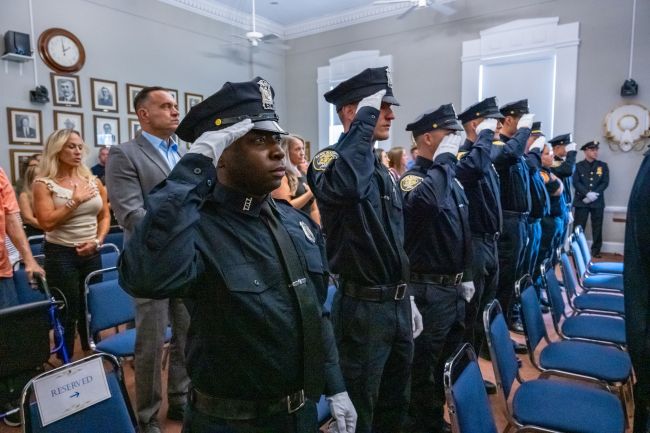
<point x="443" y="316"/>
<point x="375" y="343"/>
<point x="485" y="270"/>
<point x="512" y="246"/>
<point x="581" y="214"/>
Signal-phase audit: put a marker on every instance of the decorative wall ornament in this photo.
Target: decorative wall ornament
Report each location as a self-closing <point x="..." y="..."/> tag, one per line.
<point x="628" y="127"/>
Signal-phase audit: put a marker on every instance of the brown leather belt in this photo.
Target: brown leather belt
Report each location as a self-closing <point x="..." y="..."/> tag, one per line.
<point x="444" y="280"/>
<point x="388" y="292"/>
<point x="233" y="409"/>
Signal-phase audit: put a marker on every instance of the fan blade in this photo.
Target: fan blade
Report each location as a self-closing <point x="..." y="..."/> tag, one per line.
<point x="443" y="9"/>
<point x="408" y="11"/>
<point x="270" y="37"/>
<point x="390" y="2"/>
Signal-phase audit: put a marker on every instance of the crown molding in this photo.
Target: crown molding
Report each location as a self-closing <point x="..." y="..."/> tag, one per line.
<point x="225" y="14"/>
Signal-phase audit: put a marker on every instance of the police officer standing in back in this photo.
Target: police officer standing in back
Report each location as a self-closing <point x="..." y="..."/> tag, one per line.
<point x="438" y="242"/>
<point x="564" y="164"/>
<point x="361" y="209"/>
<point x="251" y="270"/>
<point x="507" y="155"/>
<point x="590" y="180"/>
<point x="478" y="176"/>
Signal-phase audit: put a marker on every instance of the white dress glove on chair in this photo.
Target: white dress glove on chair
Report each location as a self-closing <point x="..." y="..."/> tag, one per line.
<point x="213" y="143"/>
<point x="468" y="290"/>
<point x="373" y="100"/>
<point x="571" y="146"/>
<point x="449" y="144"/>
<point x="416" y="319"/>
<point x="490" y="124"/>
<point x="526" y="121"/>
<point x="345" y="416"/>
<point x="538" y="144"/>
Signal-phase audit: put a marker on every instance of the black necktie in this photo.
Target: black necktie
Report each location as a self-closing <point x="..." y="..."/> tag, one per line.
<point x="313" y="354"/>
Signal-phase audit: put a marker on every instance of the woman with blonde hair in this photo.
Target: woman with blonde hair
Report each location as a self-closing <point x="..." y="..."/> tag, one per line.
<point x="26" y="202"/>
<point x="396" y="162"/>
<point x="294" y="188"/>
<point x="70" y="205"/>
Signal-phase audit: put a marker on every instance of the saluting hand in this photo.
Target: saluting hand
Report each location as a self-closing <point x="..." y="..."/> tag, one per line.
<point x="538" y="144"/>
<point x="571" y="147"/>
<point x="526" y="121"/>
<point x="450" y="144"/>
<point x="213" y="143"/>
<point x="490" y="124"/>
<point x="373" y="100"/>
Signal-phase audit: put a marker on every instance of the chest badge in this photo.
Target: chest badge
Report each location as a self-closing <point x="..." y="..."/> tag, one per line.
<point x="247" y="204"/>
<point x="324" y="159"/>
<point x="409" y="182"/>
<point x="308" y="233"/>
<point x="599" y="171"/>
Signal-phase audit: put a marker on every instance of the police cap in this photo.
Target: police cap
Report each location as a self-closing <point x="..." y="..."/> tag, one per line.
<point x="517" y="108"/>
<point x="487" y="108"/>
<point x="536" y="129"/>
<point x="560" y="140"/>
<point x="442" y="118"/>
<point x="366" y="83"/>
<point x="590" y="145"/>
<point x="233" y="103"/>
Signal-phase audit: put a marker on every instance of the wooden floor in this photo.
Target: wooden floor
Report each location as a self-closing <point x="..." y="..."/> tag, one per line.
<point x="527" y="372"/>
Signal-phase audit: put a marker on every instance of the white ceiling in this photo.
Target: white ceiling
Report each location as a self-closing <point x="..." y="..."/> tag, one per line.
<point x="292" y="18"/>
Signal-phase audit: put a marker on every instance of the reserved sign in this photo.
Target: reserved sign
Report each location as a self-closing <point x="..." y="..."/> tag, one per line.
<point x="71" y="390"/>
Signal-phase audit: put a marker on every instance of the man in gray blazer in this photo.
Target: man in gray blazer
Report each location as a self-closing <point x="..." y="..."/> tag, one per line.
<point x="133" y="169"/>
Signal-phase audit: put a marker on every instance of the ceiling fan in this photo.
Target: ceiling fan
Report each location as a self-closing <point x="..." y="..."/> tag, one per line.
<point x="437" y="5"/>
<point x="255" y="38"/>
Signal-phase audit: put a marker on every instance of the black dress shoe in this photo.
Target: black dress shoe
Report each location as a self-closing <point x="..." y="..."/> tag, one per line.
<point x="490" y="387"/>
<point x="520" y="349"/>
<point x="597" y="255"/>
<point x="517" y="327"/>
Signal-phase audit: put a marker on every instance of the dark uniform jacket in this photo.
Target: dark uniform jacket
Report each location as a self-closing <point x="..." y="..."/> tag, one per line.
<point x="557" y="203"/>
<point x="590" y="177"/>
<point x="478" y="176"/>
<point x="563" y="168"/>
<point x="539" y="200"/>
<point x="360" y="207"/>
<point x="206" y="242"/>
<point x="436" y="217"/>
<point x="507" y="155"/>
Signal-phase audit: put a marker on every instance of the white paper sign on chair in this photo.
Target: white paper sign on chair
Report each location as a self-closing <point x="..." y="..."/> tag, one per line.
<point x="71" y="390"/>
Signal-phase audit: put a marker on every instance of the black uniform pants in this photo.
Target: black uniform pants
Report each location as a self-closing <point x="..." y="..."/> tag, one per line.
<point x="581" y="214"/>
<point x="512" y="245"/>
<point x="443" y="316"/>
<point x="532" y="247"/>
<point x="375" y="343"/>
<point x="485" y="270"/>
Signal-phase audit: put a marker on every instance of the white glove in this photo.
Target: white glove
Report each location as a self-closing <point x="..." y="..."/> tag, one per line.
<point x="468" y="290"/>
<point x="345" y="416"/>
<point x="593" y="196"/>
<point x="213" y="143"/>
<point x="526" y="121"/>
<point x="449" y="144"/>
<point x="571" y="147"/>
<point x="490" y="124"/>
<point x="570" y="217"/>
<point x="416" y="319"/>
<point x="373" y="100"/>
<point x="538" y="144"/>
<point x="586" y="200"/>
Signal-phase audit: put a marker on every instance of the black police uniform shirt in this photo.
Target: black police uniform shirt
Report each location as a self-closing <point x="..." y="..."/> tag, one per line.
<point x="206" y="242"/>
<point x="564" y="168"/>
<point x="507" y="155"/>
<point x="478" y="176"/>
<point x="557" y="202"/>
<point x="588" y="177"/>
<point x="436" y="217"/>
<point x="540" y="205"/>
<point x="360" y="207"/>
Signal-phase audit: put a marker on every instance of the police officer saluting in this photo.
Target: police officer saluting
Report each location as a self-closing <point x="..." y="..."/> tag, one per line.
<point x="361" y="210"/>
<point x="590" y="180"/>
<point x="438" y="242"/>
<point x="260" y="352"/>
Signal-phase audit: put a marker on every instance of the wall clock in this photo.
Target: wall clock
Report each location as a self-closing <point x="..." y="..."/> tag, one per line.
<point x="61" y="51"/>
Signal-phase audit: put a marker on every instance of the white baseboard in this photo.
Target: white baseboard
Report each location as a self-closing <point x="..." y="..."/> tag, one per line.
<point x="611" y="247"/>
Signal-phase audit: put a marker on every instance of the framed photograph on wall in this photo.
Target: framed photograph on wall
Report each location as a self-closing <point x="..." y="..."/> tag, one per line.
<point x="104" y="94"/>
<point x="107" y="130"/>
<point x="174" y="94"/>
<point x="69" y="120"/>
<point x="191" y="99"/>
<point x="65" y="90"/>
<point x="131" y="91"/>
<point x="18" y="159"/>
<point x="24" y="126"/>
<point x="134" y="127"/>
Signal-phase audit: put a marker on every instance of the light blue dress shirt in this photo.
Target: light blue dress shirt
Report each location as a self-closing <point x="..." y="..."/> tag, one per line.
<point x="169" y="151"/>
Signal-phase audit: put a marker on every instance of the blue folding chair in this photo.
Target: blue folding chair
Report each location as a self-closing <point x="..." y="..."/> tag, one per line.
<point x="113" y="415"/>
<point x="609" y="303"/>
<point x="115" y="236"/>
<point x="599" y="282"/>
<point x="595" y="267"/>
<point x="468" y="403"/>
<point x="584" y="327"/>
<point x="544" y="404"/>
<point x="36" y="244"/>
<point x="607" y="366"/>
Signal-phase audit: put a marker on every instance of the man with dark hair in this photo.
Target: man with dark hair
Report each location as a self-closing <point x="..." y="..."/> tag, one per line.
<point x="133" y="169"/>
<point x="564" y="163"/>
<point x="260" y="350"/>
<point x="99" y="169"/>
<point x="361" y="210"/>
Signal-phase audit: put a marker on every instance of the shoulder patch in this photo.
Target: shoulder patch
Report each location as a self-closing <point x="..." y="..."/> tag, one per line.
<point x="556" y="163"/>
<point x="409" y="182"/>
<point x="323" y="159"/>
<point x="545" y="176"/>
<point x="498" y="143"/>
<point x="461" y="155"/>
